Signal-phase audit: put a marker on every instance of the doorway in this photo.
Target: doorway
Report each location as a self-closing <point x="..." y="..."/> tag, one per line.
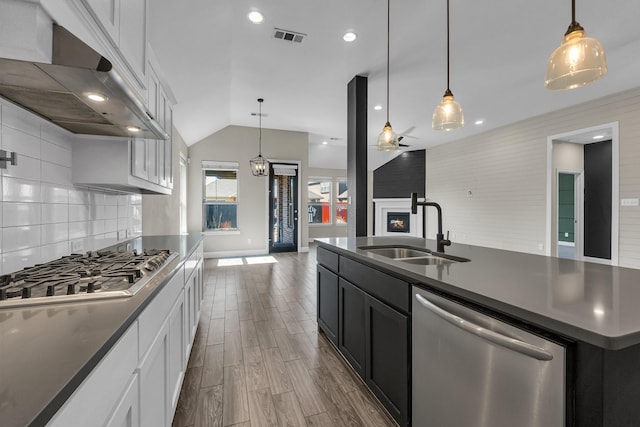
<point x="595" y="180"/>
<point x="283" y="207"/>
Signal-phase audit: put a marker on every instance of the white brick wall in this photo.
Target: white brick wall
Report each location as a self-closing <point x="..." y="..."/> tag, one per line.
<point x="43" y="215"/>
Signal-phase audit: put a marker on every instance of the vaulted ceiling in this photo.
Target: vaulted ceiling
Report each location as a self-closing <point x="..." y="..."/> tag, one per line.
<point x="218" y="63"/>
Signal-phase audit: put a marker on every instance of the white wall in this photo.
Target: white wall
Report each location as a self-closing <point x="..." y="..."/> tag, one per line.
<point x="328" y="230"/>
<point x="506" y="171"/>
<point x="161" y="213"/>
<point x="43" y="215"/>
<point x="240" y="144"/>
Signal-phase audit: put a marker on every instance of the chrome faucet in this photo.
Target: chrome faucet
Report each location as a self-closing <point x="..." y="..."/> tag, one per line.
<point x="440" y="240"/>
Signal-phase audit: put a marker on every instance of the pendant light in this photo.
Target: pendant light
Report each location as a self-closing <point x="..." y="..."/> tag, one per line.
<point x="448" y="114"/>
<point x="388" y="139"/>
<point x="260" y="165"/>
<point x="578" y="61"/>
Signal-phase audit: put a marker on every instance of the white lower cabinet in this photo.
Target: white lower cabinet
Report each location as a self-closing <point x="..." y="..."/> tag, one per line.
<point x="127" y="412"/>
<point x="177" y="344"/>
<point x="154" y="381"/>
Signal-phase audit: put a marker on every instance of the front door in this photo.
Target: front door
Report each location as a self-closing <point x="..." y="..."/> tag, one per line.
<point x="283" y="207"/>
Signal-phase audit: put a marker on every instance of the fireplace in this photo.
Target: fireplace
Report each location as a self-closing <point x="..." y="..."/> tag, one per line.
<point x="393" y="217"/>
<point x="398" y="222"/>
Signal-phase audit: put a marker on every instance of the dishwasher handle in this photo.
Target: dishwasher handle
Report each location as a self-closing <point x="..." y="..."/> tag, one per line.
<point x="487" y="334"/>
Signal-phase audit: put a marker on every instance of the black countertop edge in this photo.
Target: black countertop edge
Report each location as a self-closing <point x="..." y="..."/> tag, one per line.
<point x="544" y="323"/>
<point x="59" y="400"/>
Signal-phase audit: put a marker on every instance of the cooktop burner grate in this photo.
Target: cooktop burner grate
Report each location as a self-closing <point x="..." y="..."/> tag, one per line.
<point x="100" y="274"/>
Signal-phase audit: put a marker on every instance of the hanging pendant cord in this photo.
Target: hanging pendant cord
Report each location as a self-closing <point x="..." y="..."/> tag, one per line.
<point x="573" y="11"/>
<point x="388" y="31"/>
<point x="448" y="46"/>
<point x="260" y="121"/>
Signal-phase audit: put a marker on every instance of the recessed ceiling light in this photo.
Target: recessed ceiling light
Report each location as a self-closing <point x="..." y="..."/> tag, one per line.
<point x="479" y="121"/>
<point x="377" y="107"/>
<point x="255" y="17"/>
<point x="324" y="142"/>
<point x="349" y="36"/>
<point x="133" y="128"/>
<point x="98" y="97"/>
<point x="598" y="136"/>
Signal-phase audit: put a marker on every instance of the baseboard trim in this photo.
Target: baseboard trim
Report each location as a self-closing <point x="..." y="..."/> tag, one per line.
<point x="230" y="254"/>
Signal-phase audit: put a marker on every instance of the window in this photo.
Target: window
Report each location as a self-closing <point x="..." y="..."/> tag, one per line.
<point x="342" y="199"/>
<point x="220" y="201"/>
<point x="319" y="206"/>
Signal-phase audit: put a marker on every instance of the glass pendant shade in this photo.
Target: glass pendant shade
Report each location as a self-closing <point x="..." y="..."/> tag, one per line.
<point x="259" y="166"/>
<point x="388" y="139"/>
<point x="448" y="114"/>
<point x="578" y="61"/>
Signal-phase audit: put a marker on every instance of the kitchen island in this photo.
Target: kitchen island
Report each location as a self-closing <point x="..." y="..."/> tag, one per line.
<point x="50" y="352"/>
<point x="590" y="308"/>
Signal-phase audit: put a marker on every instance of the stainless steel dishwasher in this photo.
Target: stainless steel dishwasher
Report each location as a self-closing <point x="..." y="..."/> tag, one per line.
<point x="471" y="370"/>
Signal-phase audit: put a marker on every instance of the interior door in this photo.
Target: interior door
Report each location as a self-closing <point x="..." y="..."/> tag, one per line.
<point x="283" y="207"/>
<point x="597" y="200"/>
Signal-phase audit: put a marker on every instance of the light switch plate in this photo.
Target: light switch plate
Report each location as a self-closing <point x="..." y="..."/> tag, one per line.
<point x="629" y="202"/>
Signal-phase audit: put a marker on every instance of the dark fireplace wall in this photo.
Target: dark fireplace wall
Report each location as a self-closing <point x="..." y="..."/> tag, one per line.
<point x="401" y="176"/>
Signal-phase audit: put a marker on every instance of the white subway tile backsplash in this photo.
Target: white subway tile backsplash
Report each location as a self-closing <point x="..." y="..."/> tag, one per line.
<point x="55" y="154"/>
<point x="20" y="190"/>
<point x="54" y="233"/>
<point x="15" y="214"/>
<point x="18" y="238"/>
<point x="79" y="213"/>
<point x="42" y="214"/>
<point x="56" y="135"/>
<point x="22" y="143"/>
<point x="27" y="168"/>
<point x="54" y="193"/>
<point x="56" y="174"/>
<point x="17" y="260"/>
<point x="20" y="119"/>
<point x="54" y="251"/>
<point x="54" y="213"/>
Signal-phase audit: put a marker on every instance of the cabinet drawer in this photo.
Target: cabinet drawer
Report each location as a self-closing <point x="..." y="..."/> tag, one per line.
<point x="386" y="288"/>
<point x="328" y="259"/>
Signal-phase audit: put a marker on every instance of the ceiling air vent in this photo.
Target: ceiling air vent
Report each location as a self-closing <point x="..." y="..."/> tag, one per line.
<point x="287" y="35"/>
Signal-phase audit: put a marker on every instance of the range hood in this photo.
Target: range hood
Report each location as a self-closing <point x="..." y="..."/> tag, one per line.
<point x="59" y="91"/>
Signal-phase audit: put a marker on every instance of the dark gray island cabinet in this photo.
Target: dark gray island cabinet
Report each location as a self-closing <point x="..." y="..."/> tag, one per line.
<point x="365" y="313"/>
<point x="364" y="308"/>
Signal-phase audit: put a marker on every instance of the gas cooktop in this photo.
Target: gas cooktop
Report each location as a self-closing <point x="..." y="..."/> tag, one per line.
<point x="77" y="277"/>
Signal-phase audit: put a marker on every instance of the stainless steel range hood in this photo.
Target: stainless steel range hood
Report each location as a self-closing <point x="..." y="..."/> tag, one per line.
<point x="59" y="91"/>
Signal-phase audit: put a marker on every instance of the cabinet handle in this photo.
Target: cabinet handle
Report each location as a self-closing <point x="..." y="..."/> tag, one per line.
<point x="502" y="340"/>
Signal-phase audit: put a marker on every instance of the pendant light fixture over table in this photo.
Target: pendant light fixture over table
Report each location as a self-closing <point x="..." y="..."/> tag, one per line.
<point x="578" y="61"/>
<point x="388" y="139"/>
<point x="448" y="114"/>
<point x="259" y="165"/>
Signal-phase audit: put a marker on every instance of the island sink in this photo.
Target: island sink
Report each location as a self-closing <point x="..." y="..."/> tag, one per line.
<point x="411" y="255"/>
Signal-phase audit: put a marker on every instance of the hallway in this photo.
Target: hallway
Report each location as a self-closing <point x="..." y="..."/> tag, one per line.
<point x="258" y="359"/>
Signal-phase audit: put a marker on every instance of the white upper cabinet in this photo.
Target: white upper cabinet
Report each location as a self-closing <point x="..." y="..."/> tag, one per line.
<point x="133" y="34"/>
<point x="108" y="14"/>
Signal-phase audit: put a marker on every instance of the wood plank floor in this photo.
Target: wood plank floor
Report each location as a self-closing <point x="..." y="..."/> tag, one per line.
<point x="258" y="359"/>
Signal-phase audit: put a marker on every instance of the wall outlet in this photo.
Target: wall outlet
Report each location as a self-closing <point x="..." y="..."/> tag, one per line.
<point x="77" y="245"/>
<point x="540" y="246"/>
<point x="469" y="193"/>
<point x="248" y="241"/>
<point x="122" y="234"/>
<point x="629" y="202"/>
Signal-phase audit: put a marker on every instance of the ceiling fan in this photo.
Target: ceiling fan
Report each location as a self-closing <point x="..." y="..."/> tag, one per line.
<point x="401" y="136"/>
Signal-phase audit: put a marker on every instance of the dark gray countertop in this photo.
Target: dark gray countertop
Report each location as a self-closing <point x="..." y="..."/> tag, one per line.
<point x="46" y="351"/>
<point x="594" y="303"/>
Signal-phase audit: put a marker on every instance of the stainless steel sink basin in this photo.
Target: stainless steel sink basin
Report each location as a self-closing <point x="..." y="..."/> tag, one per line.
<point x="398" y="252"/>
<point x="410" y="255"/>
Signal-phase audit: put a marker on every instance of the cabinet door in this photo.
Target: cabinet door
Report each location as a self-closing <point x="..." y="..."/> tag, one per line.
<point x="152" y="93"/>
<point x="328" y="303"/>
<point x="161" y="151"/>
<point x="387" y="338"/>
<point x="126" y="413"/>
<point x="189" y="305"/>
<point x="152" y="159"/>
<point x="139" y="158"/>
<point x="107" y="13"/>
<point x="154" y="382"/>
<point x="168" y="156"/>
<point x="351" y="336"/>
<point x="133" y="35"/>
<point x="177" y="343"/>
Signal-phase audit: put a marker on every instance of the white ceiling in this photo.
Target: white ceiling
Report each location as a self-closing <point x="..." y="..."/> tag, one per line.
<point x="218" y="63"/>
